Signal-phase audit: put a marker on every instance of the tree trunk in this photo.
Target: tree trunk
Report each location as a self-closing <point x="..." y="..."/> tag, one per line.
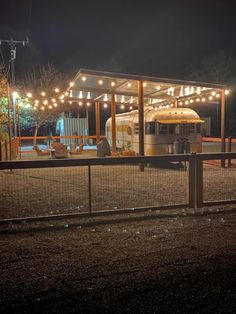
<point x="35" y="135"/>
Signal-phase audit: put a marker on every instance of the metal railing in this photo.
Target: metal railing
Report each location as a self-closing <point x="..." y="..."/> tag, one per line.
<point x="66" y="188"/>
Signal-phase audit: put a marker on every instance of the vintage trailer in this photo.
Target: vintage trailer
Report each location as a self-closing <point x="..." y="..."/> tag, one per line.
<point x="164" y="130"/>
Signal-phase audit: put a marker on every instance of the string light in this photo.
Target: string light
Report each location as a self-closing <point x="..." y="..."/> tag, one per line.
<point x="66" y="93"/>
<point x="186" y="102"/>
<point x="70" y="102"/>
<point x="55" y="104"/>
<point x="105" y="105"/>
<point x="100" y="82"/>
<point x="213" y="93"/>
<point x="144" y="84"/>
<point x="36" y="101"/>
<point x="129" y="84"/>
<point x="113" y="84"/>
<point x="50" y="106"/>
<point x="210" y="98"/>
<point x="72" y="84"/>
<point x="131" y="107"/>
<point x="191" y="100"/>
<point x="45" y="102"/>
<point x="42" y="107"/>
<point x="57" y="90"/>
<point x="203" y="99"/>
<point x="62" y="100"/>
<point x="83" y="78"/>
<point x="122" y="106"/>
<point x="80" y="103"/>
<point x="53" y="100"/>
<point x="198" y="99"/>
<point x="158" y="87"/>
<point x="88" y="103"/>
<point x="226" y="92"/>
<point x="180" y="103"/>
<point x="217" y="95"/>
<point x="34" y="108"/>
<point x="29" y="95"/>
<point x="43" y="94"/>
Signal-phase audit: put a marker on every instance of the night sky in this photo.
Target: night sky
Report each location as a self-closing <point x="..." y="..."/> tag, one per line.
<point x="160" y="38"/>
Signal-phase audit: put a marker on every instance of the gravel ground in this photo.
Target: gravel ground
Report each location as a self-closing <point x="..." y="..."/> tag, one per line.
<point x="163" y="263"/>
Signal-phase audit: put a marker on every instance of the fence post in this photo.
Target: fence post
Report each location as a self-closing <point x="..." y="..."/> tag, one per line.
<point x="199" y="181"/>
<point x="89" y="189"/>
<point x="192" y="181"/>
<point x="229" y="150"/>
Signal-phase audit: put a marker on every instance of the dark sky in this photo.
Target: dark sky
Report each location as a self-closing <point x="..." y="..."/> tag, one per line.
<point x="158" y="38"/>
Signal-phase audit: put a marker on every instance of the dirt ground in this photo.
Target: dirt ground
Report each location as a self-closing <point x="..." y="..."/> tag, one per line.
<point x="175" y="262"/>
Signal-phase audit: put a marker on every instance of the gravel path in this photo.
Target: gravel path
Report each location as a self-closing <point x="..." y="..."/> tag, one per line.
<point x="174" y="263"/>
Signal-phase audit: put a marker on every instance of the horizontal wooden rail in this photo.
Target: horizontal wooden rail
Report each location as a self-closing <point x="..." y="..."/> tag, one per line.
<point x="58" y="137"/>
<point x="217" y="139"/>
<point x="51" y="163"/>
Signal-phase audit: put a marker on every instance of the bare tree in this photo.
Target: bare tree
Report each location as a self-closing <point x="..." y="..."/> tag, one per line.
<point x="46" y="79"/>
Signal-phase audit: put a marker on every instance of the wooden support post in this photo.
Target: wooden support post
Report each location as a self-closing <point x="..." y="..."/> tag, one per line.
<point x="175" y="103"/>
<point x="141" y="121"/>
<point x="87" y="122"/>
<point x="98" y="127"/>
<point x="222" y="126"/>
<point x="113" y="122"/>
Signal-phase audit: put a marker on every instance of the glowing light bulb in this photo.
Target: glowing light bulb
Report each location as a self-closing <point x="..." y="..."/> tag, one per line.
<point x="45" y="102"/>
<point x="36" y="101"/>
<point x="50" y="106"/>
<point x="53" y="100"/>
<point x="186" y="102"/>
<point x="131" y="107"/>
<point x="55" y="104"/>
<point x="70" y="102"/>
<point x="158" y="87"/>
<point x="34" y="108"/>
<point x="180" y="103"/>
<point x="129" y="84"/>
<point x="57" y="90"/>
<point x="66" y="93"/>
<point x="43" y="94"/>
<point x="83" y="78"/>
<point x="29" y="95"/>
<point x="191" y="100"/>
<point x="213" y="93"/>
<point x="105" y="105"/>
<point x="62" y="100"/>
<point x="100" y="82"/>
<point x="144" y="84"/>
<point x="203" y="99"/>
<point x="210" y="97"/>
<point x="72" y="84"/>
<point x="122" y="106"/>
<point x="42" y="108"/>
<point x="88" y="103"/>
<point x="80" y="103"/>
<point x="226" y="92"/>
<point x="217" y="95"/>
<point x="113" y="84"/>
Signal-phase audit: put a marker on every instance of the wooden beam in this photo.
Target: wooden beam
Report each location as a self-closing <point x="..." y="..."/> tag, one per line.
<point x="113" y="122"/>
<point x="97" y="116"/>
<point x="222" y="125"/>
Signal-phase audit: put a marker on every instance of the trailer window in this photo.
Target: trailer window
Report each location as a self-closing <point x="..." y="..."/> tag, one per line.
<point x="150" y="128"/>
<point x="163" y="128"/>
<point x="186" y="129"/>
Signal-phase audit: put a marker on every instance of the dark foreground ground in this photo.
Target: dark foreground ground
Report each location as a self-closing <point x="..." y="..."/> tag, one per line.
<point x="178" y="263"/>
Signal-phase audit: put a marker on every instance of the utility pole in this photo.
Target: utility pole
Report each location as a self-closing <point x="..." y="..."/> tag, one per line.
<point x="13" y="44"/>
